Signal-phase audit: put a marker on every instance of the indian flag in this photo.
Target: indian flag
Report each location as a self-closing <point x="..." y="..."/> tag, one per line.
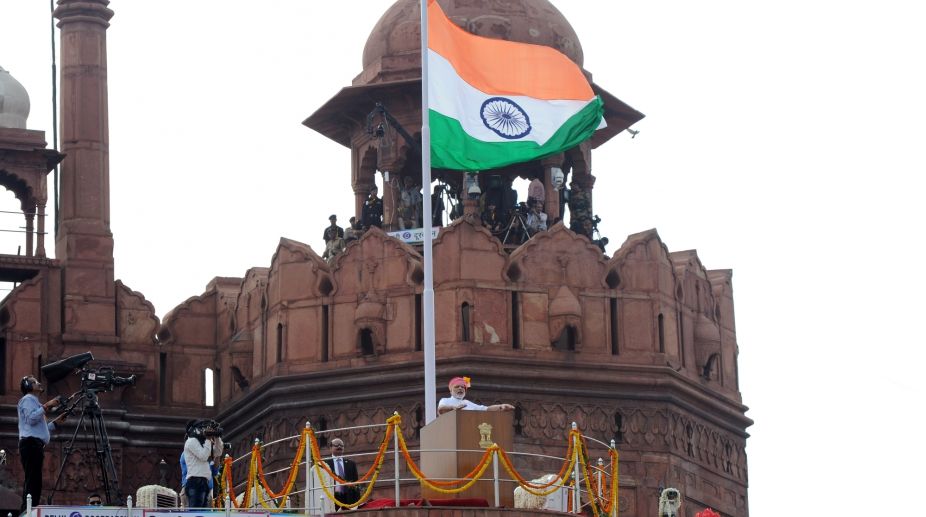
<point x="494" y="103"/>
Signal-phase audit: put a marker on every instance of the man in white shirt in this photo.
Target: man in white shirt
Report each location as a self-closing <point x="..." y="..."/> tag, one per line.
<point x="536" y="219"/>
<point x="457" y="399"/>
<point x="197" y="451"/>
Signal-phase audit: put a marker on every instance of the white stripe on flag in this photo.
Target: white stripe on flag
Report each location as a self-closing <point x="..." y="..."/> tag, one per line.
<point x="451" y="96"/>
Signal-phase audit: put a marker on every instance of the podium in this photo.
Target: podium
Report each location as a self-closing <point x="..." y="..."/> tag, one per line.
<point x="467" y="431"/>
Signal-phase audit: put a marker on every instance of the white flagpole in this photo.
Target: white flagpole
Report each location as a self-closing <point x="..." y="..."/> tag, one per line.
<point x="430" y="389"/>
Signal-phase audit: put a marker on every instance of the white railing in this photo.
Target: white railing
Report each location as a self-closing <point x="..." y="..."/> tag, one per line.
<point x="317" y="503"/>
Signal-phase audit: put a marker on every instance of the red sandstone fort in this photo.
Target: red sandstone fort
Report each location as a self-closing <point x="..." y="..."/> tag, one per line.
<point x="639" y="347"/>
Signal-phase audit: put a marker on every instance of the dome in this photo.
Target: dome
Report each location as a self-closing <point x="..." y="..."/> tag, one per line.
<point x="14" y="102"/>
<point x="393" y="47"/>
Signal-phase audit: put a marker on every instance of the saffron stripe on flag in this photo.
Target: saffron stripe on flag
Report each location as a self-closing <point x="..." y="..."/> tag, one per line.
<point x="499" y="67"/>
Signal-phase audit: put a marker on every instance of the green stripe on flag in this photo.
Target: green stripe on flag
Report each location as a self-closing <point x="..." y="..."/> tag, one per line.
<point x="453" y="148"/>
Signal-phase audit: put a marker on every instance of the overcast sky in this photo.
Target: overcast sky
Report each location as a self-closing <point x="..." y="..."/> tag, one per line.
<point x="783" y="140"/>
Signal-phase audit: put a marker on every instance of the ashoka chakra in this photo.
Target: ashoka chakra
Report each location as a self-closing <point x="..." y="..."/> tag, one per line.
<point x="505" y="118"/>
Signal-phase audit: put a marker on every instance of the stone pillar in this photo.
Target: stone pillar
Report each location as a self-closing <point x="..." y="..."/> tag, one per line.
<point x="551" y="204"/>
<point x="391" y="197"/>
<point x="471" y="208"/>
<point x="40" y="233"/>
<point x="84" y="242"/>
<point x="361" y="191"/>
<point x="30" y="217"/>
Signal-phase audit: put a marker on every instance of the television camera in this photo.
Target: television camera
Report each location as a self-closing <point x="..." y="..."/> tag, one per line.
<point x="104" y="379"/>
<point x="86" y="403"/>
<point x="205" y="428"/>
<point x="98" y="379"/>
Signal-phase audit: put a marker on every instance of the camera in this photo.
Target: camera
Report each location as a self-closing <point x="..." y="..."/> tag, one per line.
<point x="205" y="429"/>
<point x="104" y="379"/>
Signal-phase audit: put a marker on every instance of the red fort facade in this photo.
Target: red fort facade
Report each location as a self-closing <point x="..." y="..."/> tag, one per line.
<point x="639" y="347"/>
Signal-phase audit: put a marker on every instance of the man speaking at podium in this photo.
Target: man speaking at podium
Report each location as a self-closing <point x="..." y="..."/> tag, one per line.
<point x="457" y="399"/>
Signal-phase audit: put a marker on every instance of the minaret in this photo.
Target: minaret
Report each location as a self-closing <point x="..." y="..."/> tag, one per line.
<point x="84" y="242"/>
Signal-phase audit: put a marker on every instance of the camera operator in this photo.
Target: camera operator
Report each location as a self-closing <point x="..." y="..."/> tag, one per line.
<point x="34" y="435"/>
<point x="203" y="444"/>
<point x="589" y="228"/>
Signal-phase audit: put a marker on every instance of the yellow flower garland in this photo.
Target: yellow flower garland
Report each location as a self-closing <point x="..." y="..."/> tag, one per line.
<point x="576" y="452"/>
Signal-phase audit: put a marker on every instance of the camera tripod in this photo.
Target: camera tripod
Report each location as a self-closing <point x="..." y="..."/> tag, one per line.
<point x="517" y="223"/>
<point x="91" y="414"/>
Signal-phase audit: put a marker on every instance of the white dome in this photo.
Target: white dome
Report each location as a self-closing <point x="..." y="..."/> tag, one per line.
<point x="14" y="102"/>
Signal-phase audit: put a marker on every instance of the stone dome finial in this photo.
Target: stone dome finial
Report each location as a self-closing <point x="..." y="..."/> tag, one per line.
<point x="393" y="49"/>
<point x="14" y="102"/>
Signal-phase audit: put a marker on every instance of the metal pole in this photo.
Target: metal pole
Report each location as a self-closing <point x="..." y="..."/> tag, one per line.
<point x="254" y="493"/>
<point x="29" y="505"/>
<point x="575" y="485"/>
<point x="128" y="504"/>
<point x="616" y="481"/>
<point x="430" y="387"/>
<point x="495" y="475"/>
<point x="395" y="446"/>
<point x="600" y="476"/>
<point x="227" y="506"/>
<point x="54" y="107"/>
<point x="309" y="481"/>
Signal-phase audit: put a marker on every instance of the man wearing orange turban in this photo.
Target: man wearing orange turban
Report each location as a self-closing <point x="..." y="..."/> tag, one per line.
<point x="457" y="399"/>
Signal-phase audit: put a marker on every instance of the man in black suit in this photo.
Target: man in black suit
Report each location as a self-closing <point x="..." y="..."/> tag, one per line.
<point x="345" y="469"/>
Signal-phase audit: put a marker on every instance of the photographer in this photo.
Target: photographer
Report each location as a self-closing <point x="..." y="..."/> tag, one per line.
<point x="34" y="434"/>
<point x="203" y="444"/>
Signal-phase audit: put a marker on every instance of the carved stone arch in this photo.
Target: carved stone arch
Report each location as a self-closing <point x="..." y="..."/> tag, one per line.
<point x="21" y="187"/>
<point x="8" y="313"/>
<point x="363" y="175"/>
<point x="232" y="309"/>
<point x="370" y="326"/>
<point x="565" y="320"/>
<point x="567" y="333"/>
<point x="325" y="284"/>
<point x="579" y="161"/>
<point x="612" y="279"/>
<point x="415" y="272"/>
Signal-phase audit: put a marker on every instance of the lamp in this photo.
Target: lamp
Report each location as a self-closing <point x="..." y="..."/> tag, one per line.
<point x="162" y="468"/>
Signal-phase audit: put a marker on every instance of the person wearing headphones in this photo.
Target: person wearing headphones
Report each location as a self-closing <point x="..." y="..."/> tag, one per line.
<point x="34" y="434"/>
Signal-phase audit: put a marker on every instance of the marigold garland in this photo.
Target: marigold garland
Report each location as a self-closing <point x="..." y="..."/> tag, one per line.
<point x="567" y="467"/>
<point x="228" y="490"/>
<point x="392" y="422"/>
<point x="577" y="451"/>
<point x="470" y="477"/>
<point x="363" y="497"/>
<point x="293" y="471"/>
<point x="538" y="490"/>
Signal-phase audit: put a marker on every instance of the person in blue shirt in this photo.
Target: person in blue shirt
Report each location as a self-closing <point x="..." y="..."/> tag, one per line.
<point x="34" y="434"/>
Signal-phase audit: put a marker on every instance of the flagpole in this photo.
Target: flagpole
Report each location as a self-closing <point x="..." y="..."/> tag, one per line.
<point x="430" y="388"/>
